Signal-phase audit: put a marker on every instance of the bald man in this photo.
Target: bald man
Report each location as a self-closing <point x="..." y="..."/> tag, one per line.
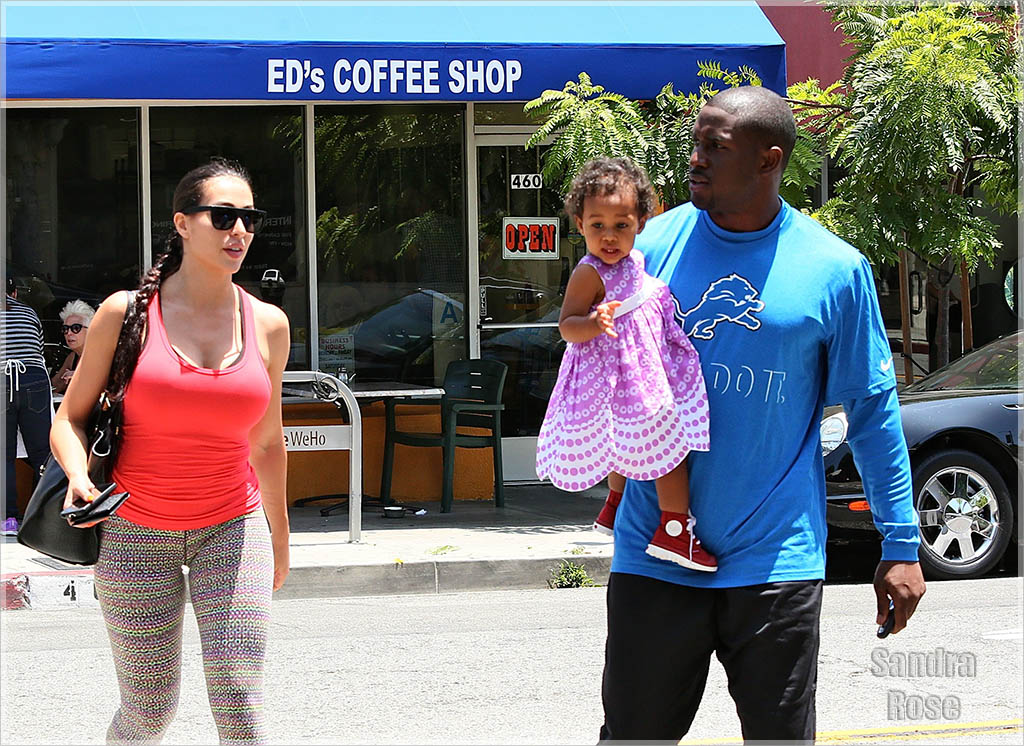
<point x="784" y="316"/>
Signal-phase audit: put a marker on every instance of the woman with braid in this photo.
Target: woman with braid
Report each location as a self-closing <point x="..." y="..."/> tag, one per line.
<point x="202" y="454"/>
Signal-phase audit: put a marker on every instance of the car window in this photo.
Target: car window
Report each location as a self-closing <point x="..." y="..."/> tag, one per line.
<point x="994" y="366"/>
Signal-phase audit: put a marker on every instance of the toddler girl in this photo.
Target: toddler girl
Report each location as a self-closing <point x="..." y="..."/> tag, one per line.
<point x="630" y="399"/>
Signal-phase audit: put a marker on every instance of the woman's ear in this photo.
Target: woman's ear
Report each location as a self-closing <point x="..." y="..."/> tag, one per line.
<point x="181" y="224"/>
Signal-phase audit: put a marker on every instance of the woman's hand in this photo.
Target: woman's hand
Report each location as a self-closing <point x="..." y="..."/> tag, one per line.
<point x="80" y="492"/>
<point x="605" y="317"/>
<point x="281" y="560"/>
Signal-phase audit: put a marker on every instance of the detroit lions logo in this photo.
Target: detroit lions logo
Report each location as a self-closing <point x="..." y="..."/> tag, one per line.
<point x="731" y="298"/>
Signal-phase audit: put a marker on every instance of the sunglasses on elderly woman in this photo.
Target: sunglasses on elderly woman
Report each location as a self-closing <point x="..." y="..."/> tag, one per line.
<point x="224" y="218"/>
<point x="73" y="328"/>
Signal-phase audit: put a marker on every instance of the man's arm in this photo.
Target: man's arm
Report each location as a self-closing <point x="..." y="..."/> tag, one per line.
<point x="880" y="452"/>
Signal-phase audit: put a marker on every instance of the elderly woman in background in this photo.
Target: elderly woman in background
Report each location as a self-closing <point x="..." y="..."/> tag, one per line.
<point x="75" y="318"/>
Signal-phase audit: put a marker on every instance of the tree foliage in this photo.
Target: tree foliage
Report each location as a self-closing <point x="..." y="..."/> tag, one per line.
<point x="588" y="121"/>
<point x="585" y="121"/>
<point x="927" y="132"/>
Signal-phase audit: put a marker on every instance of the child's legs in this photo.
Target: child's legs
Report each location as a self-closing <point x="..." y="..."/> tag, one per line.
<point x="616" y="482"/>
<point x="674" y="490"/>
<point x="142" y="593"/>
<point x="231" y="570"/>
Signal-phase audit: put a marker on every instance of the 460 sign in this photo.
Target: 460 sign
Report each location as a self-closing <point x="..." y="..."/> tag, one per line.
<point x="526" y="181"/>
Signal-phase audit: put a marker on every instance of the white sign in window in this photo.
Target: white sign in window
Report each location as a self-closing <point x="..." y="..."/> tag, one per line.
<point x="529" y="238"/>
<point x="338" y="351"/>
<point x="527" y="181"/>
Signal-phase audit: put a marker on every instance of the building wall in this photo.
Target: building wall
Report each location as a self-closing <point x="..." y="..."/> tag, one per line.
<point x="814" y="49"/>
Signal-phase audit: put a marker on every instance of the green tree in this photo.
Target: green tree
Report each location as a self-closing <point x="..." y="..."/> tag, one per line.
<point x="585" y="121"/>
<point x="925" y="123"/>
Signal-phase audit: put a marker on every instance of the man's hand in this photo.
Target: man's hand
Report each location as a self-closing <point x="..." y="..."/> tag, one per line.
<point x="904" y="584"/>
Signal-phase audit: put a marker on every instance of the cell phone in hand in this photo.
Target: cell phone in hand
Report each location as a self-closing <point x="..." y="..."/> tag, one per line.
<point x="890" y="621"/>
<point x="102" y="506"/>
<point x="75" y="510"/>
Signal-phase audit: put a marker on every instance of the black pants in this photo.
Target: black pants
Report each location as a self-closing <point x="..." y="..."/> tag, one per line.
<point x="660" y="639"/>
<point x="27" y="407"/>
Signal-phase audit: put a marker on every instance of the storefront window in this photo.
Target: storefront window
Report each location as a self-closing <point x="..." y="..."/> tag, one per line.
<point x="72" y="228"/>
<point x="502" y="114"/>
<point x="521" y="293"/>
<point x="391" y="246"/>
<point x="267" y="140"/>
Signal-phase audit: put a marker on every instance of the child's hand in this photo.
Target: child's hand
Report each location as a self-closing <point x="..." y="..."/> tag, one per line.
<point x="605" y="313"/>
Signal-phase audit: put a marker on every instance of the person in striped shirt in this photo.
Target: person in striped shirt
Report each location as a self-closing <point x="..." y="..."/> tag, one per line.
<point x="26" y="394"/>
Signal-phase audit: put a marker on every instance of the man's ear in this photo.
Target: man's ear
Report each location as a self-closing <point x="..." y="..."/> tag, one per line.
<point x="771" y="159"/>
<point x="181" y="224"/>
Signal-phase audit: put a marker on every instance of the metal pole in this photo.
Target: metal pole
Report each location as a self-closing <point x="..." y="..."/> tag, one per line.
<point x="472" y="315"/>
<point x="309" y="156"/>
<point x="355" y="449"/>
<point x="908" y="351"/>
<point x="966" y="315"/>
<point x="146" y="191"/>
<point x="355" y="464"/>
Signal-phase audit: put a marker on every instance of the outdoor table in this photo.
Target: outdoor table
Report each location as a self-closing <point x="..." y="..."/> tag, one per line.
<point x="325" y="387"/>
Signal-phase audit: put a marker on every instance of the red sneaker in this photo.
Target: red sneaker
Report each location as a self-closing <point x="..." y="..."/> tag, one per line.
<point x="674" y="541"/>
<point x="605" y="521"/>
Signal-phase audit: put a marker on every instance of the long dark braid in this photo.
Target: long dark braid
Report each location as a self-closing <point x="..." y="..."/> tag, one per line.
<point x="188" y="193"/>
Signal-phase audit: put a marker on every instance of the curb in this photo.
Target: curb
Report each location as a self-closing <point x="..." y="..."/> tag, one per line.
<point x="76" y="588"/>
<point x="441" y="576"/>
<point x="57" y="589"/>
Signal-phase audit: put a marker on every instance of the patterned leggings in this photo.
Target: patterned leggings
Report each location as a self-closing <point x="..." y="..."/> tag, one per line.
<point x="141" y="590"/>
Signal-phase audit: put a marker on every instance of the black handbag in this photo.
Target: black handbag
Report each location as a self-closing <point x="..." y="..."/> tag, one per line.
<point x="43" y="528"/>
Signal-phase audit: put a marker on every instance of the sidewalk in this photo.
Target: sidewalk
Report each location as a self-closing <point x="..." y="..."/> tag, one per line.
<point x="475" y="547"/>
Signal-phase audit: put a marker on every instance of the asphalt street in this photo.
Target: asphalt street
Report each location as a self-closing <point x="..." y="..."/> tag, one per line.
<point x="525" y="667"/>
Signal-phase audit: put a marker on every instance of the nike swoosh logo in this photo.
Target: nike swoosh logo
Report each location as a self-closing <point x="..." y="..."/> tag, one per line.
<point x="885" y="365"/>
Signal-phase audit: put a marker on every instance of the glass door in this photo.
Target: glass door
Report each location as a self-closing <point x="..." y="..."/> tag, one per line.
<point x="525" y="253"/>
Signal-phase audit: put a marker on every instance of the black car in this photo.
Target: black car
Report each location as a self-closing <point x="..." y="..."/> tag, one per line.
<point x="962" y="430"/>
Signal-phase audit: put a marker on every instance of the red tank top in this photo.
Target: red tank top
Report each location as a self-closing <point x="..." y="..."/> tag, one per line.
<point x="185" y="440"/>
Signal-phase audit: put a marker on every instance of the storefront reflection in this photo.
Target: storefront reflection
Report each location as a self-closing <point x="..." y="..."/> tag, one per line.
<point x="391" y="244"/>
<point x="410" y="338"/>
<point x="532" y="355"/>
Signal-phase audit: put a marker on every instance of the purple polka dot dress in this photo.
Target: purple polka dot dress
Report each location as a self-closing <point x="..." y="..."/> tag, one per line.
<point x="635" y="404"/>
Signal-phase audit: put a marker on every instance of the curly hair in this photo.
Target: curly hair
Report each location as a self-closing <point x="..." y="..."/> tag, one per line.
<point x="604" y="176"/>
<point x="77" y="307"/>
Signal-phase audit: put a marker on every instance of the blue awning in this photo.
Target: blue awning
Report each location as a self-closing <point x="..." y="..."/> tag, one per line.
<point x="374" y="51"/>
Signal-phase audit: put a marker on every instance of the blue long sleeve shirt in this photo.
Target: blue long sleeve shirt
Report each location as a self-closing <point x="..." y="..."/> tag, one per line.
<point x="875" y="436"/>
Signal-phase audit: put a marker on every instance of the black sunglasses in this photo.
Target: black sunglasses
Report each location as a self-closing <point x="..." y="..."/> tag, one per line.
<point x="76" y="328"/>
<point x="224" y="218"/>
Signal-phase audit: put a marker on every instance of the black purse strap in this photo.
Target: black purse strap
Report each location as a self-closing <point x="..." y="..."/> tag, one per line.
<point x="107" y="425"/>
<point x="122" y="366"/>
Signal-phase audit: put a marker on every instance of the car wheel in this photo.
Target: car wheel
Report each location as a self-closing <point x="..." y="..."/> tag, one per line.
<point x="966" y="515"/>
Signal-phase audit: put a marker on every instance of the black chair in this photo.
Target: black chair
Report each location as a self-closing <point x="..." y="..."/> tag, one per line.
<point x="472" y="398"/>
